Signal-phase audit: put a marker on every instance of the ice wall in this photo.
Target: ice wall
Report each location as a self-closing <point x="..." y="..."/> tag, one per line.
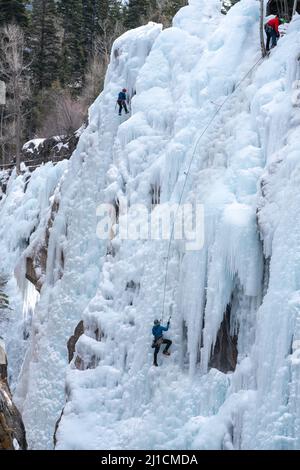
<point x="24" y="212"/>
<point x="191" y="70"/>
<point x="244" y="169"/>
<point x="73" y="238"/>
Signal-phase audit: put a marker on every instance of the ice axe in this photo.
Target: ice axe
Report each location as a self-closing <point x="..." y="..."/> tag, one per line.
<point x="171" y="310"/>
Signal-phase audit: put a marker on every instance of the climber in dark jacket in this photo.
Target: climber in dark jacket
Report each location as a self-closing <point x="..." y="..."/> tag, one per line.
<point x="157" y="332"/>
<point x="272" y="31"/>
<point x="122" y="98"/>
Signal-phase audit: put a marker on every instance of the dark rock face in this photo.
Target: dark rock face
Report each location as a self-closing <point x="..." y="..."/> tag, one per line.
<point x="11" y="425"/>
<point x="79" y="330"/>
<point x="12" y="431"/>
<point x="87" y="361"/>
<point x="3" y="364"/>
<point x="224" y="357"/>
<point x="227" y="4"/>
<point x="36" y="265"/>
<point x="51" y="149"/>
<point x="4" y="177"/>
<point x="56" y="428"/>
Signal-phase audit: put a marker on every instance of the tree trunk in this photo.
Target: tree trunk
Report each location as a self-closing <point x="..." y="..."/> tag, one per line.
<point x="12" y="67"/>
<point x="295" y="7"/>
<point x="286" y="14"/>
<point x="2" y="135"/>
<point x="262" y="38"/>
<point x="18" y="142"/>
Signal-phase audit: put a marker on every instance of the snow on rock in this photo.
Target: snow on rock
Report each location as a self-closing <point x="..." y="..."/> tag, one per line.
<point x="211" y="123"/>
<point x="33" y="144"/>
<point x="54" y="148"/>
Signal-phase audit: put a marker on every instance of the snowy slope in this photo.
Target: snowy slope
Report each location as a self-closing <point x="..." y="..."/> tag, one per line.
<point x="203" y="74"/>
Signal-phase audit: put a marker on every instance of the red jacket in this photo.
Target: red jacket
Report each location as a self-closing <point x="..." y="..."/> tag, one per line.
<point x="274" y="23"/>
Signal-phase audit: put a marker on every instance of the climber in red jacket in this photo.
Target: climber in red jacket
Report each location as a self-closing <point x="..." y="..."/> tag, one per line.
<point x="272" y="31"/>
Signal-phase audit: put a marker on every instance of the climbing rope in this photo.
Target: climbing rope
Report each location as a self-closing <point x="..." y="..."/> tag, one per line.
<point x="187" y="173"/>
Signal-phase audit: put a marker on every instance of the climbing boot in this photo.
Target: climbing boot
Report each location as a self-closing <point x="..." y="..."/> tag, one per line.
<point x="166" y="353"/>
<point x="155" y="364"/>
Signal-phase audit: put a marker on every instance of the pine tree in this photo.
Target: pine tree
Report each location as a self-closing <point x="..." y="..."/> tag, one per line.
<point x="137" y="12"/>
<point x="171" y="7"/>
<point x="73" y="58"/>
<point x="13" y="11"/>
<point x="97" y="16"/>
<point x="90" y="23"/>
<point x="111" y="27"/>
<point x="45" y="43"/>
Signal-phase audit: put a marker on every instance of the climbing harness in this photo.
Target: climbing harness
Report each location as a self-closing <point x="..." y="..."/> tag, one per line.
<point x="187" y="173"/>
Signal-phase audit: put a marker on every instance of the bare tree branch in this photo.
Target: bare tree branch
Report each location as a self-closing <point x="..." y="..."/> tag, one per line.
<point x="12" y="70"/>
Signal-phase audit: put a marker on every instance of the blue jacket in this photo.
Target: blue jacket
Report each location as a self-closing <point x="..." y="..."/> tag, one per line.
<point x="157" y="331"/>
<point x="122" y="96"/>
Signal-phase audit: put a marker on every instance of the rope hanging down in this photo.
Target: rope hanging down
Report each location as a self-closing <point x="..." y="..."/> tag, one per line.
<point x="198" y="139"/>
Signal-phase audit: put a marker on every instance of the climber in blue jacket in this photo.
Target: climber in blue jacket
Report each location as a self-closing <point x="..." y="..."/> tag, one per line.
<point x="122" y="98"/>
<point x="157" y="332"/>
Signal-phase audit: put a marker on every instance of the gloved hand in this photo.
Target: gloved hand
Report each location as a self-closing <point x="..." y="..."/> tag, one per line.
<point x="168" y="323"/>
<point x="278" y="35"/>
